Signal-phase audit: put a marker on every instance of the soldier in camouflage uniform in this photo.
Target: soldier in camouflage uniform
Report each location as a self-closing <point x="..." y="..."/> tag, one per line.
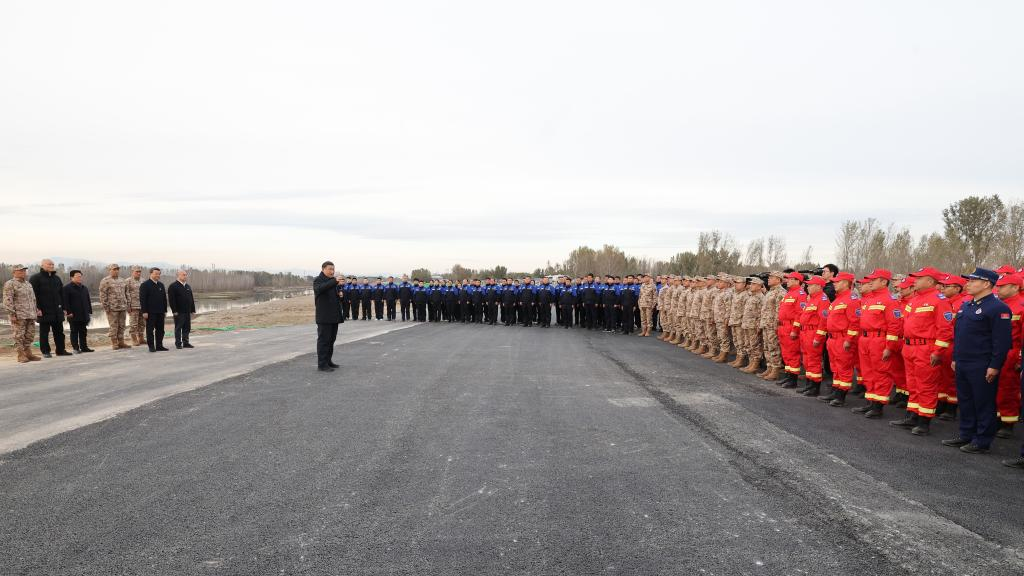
<point x="137" y="328"/>
<point x="20" y="305"/>
<point x="693" y="315"/>
<point x="707" y="317"/>
<point x="665" y="308"/>
<point x="722" y="307"/>
<point x="646" y="301"/>
<point x="739" y="298"/>
<point x="114" y="300"/>
<point x="751" y="325"/>
<point x="680" y="301"/>
<point x="769" y="325"/>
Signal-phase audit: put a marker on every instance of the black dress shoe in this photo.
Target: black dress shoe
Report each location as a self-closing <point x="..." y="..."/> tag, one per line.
<point x="47" y="355"/>
<point x="956" y="442"/>
<point x="178" y="346"/>
<point x="85" y="350"/>
<point x="973" y="448"/>
<point x="64" y="353"/>
<point x="187" y="345"/>
<point x="161" y="349"/>
<point x="1015" y="463"/>
<point x="333" y="365"/>
<point x="325" y="369"/>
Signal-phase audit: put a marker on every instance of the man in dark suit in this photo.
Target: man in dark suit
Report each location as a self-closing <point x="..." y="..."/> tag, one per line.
<point x="327" y="299"/>
<point x="78" y="309"/>
<point x="183" y="306"/>
<point x="153" y="303"/>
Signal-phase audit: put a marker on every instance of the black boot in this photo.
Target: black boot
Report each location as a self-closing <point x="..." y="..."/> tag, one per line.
<point x="839" y="400"/>
<point x="899" y="400"/>
<point x="949" y="413"/>
<point x="863" y="409"/>
<point x="830" y="396"/>
<point x="792" y="382"/>
<point x="1005" y="430"/>
<point x="876" y="410"/>
<point x="808" y="384"/>
<point x="922" y="428"/>
<point x="858" y="390"/>
<point x="813" y="389"/>
<point x="909" y="421"/>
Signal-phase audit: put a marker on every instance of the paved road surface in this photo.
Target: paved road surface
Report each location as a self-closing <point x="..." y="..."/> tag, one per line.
<point x="491" y="450"/>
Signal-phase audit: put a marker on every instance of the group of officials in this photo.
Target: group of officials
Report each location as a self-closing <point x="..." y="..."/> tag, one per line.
<point x="130" y="304"/>
<point x="934" y="344"/>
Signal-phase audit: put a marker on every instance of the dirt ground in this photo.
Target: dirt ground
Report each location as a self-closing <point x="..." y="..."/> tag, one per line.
<point x="286" y="312"/>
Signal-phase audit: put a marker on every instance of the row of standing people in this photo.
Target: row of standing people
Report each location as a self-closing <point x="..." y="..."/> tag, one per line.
<point x="131" y="305"/>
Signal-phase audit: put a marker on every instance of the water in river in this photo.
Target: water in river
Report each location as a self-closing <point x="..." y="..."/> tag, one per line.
<point x="203" y="303"/>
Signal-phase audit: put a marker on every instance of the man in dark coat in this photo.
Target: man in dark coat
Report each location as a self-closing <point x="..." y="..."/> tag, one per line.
<point x="327" y="299"/>
<point x="183" y="306"/>
<point x="49" y="292"/>
<point x="78" y="309"/>
<point x="153" y="303"/>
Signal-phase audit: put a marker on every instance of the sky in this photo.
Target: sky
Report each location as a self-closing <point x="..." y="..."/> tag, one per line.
<point x="392" y="135"/>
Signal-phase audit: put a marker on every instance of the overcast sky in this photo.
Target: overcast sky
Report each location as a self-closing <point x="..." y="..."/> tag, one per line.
<point x="390" y="135"/>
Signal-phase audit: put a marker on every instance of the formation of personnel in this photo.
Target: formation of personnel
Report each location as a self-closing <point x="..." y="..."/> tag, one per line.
<point x="138" y="307"/>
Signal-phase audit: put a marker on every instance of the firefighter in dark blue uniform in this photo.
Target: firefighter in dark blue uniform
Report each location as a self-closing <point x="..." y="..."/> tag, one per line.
<point x="452" y="293"/>
<point x="377" y="295"/>
<point x="508" y="303"/>
<point x="419" y="301"/>
<point x="390" y="297"/>
<point x="588" y="296"/>
<point x="568" y="296"/>
<point x="405" y="290"/>
<point x="545" y="298"/>
<point x="527" y="298"/>
<point x="491" y="295"/>
<point x="981" y="340"/>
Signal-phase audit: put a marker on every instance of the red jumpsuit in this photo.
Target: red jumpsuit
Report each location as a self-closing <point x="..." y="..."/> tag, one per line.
<point x="843" y="325"/>
<point x="899" y="371"/>
<point x="789" y="312"/>
<point x="947" y="379"/>
<point x="927" y="330"/>
<point x="812" y="328"/>
<point x="880" y="325"/>
<point x="1008" y="394"/>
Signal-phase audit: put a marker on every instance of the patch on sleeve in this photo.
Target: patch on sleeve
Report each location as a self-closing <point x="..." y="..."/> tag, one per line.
<point x="1004" y="316"/>
<point x="897" y="313"/>
<point x="803" y="305"/>
<point x="948" y="316"/>
<point x="857" y="312"/>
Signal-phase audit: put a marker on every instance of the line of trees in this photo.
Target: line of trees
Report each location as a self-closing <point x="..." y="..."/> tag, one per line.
<point x="977" y="231"/>
<point x="202" y="280"/>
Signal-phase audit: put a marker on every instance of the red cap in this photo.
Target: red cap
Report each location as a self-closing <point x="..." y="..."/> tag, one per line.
<point x="817" y="281"/>
<point x="845" y="276"/>
<point x="1006" y="269"/>
<point x="907" y="283"/>
<point x="795" y="276"/>
<point x="928" y="271"/>
<point x="1010" y="279"/>
<point x="952" y="279"/>
<point x="879" y="273"/>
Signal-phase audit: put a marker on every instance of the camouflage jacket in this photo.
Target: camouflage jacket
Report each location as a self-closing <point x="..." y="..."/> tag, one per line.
<point x="707" y="304"/>
<point x="131" y="286"/>
<point x="770" y="307"/>
<point x="19" y="300"/>
<point x="752" y="311"/>
<point x="723" y="305"/>
<point x="113" y="295"/>
<point x="648" y="294"/>
<point x="739" y="300"/>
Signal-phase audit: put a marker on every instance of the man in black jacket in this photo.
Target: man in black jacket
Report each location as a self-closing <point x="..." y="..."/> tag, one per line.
<point x="49" y="292"/>
<point x="183" y="306"/>
<point x="405" y="290"/>
<point x="78" y="309"/>
<point x="390" y="296"/>
<point x="153" y="303"/>
<point x="327" y="299"/>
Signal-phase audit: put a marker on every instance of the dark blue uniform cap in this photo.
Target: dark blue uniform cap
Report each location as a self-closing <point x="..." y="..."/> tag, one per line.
<point x="984" y="274"/>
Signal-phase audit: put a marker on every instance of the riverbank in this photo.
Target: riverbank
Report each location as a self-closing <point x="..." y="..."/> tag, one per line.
<point x="283" y="312"/>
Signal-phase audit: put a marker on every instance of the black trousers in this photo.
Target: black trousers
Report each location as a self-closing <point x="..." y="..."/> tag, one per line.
<point x="391" y="309"/>
<point x="654" y="320"/>
<point x="378" y="309"/>
<point x="406" y="310"/>
<point x="434" y="312"/>
<point x="155" y="331"/>
<point x="57" y="326"/>
<point x="590" y="315"/>
<point x="355" y="309"/>
<point x="182" y="327"/>
<point x="326" y="334"/>
<point x="544" y="314"/>
<point x="566" y="315"/>
<point x="421" y="312"/>
<point x="366" y="309"/>
<point x="526" y="314"/>
<point x="628" y="311"/>
<point x="79" y="335"/>
<point x="492" y="312"/>
<point x="345" y="307"/>
<point x="609" y="317"/>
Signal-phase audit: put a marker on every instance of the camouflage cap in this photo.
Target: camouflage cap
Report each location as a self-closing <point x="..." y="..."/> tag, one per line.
<point x="778" y="274"/>
<point x="711" y="277"/>
<point x="738" y="279"/>
<point x="724" y="276"/>
<point x="19" y="267"/>
<point x="136" y="268"/>
<point x="113" y="266"/>
<point x="756" y="280"/>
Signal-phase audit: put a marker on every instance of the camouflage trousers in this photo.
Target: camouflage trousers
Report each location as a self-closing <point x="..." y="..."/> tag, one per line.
<point x="116" y="321"/>
<point x="772" y="349"/>
<point x="711" y="334"/>
<point x="24" y="332"/>
<point x="752" y="343"/>
<point x="724" y="335"/>
<point x="137" y="329"/>
<point x="738" y="339"/>
<point x="646" y="317"/>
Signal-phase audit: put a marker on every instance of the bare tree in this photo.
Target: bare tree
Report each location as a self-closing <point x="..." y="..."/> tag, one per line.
<point x="775" y="252"/>
<point x="754" y="257"/>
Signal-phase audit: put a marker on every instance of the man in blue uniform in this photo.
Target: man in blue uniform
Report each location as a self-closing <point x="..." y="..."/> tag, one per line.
<point x="405" y="298"/>
<point x="419" y="301"/>
<point x="567" y="298"/>
<point x="981" y="340"/>
<point x="545" y="298"/>
<point x="390" y="296"/>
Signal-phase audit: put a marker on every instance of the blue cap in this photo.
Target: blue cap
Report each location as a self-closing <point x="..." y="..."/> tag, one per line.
<point x="984" y="274"/>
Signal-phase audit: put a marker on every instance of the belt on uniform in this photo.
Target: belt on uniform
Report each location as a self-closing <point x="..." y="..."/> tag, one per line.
<point x="916" y="341"/>
<point x="878" y="333"/>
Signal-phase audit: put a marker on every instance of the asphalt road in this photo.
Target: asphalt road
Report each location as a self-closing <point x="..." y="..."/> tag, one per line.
<point x="492" y="450"/>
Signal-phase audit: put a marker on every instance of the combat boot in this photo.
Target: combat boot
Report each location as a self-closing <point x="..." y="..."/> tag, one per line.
<point x="863" y="409"/>
<point x="792" y="382"/>
<point x="949" y="413"/>
<point x="923" y="427"/>
<point x="32" y="357"/>
<point x="22" y="357"/>
<point x="772" y="373"/>
<point x="839" y="400"/>
<point x="813" y="391"/>
<point x="722" y="356"/>
<point x="909" y="421"/>
<point x="876" y="410"/>
<point x="830" y="396"/>
<point x="740" y="360"/>
<point x="711" y="353"/>
<point x="752" y="366"/>
<point x="114" y="345"/>
<point x="1005" y="430"/>
<point x="121" y="344"/>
